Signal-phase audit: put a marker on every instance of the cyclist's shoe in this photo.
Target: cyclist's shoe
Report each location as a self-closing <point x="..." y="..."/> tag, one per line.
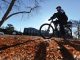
<point x="64" y="37"/>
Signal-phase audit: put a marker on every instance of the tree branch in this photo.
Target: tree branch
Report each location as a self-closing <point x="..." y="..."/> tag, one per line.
<point x="16" y="13"/>
<point x="21" y="12"/>
<point x="7" y="12"/>
<point x="8" y="2"/>
<point x="5" y="1"/>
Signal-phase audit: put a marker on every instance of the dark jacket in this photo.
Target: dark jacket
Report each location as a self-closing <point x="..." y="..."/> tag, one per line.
<point x="60" y="16"/>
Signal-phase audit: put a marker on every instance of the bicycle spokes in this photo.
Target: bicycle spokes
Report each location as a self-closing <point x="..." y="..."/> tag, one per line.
<point x="46" y="30"/>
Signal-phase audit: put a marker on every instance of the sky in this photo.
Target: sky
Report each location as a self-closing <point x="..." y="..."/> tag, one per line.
<point x="42" y="14"/>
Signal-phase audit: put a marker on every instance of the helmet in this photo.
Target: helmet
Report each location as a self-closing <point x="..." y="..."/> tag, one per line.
<point x="58" y="7"/>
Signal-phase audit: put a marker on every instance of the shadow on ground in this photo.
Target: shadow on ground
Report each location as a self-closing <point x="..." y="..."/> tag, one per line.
<point x="40" y="53"/>
<point x="6" y="47"/>
<point x="65" y="53"/>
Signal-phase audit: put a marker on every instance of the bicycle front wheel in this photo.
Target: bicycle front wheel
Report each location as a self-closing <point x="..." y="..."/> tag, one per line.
<point x="46" y="31"/>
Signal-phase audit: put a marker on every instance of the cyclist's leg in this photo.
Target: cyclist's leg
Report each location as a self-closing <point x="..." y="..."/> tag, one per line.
<point x="62" y="30"/>
<point x="56" y="30"/>
<point x="56" y="24"/>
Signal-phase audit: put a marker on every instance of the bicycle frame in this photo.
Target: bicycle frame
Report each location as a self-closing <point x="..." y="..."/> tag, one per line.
<point x="55" y="25"/>
<point x="52" y="22"/>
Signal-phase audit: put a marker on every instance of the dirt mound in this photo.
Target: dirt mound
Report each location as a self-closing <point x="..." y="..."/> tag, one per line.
<point x="37" y="48"/>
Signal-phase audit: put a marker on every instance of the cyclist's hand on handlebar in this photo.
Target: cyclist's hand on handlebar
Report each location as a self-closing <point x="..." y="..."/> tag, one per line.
<point x="49" y="19"/>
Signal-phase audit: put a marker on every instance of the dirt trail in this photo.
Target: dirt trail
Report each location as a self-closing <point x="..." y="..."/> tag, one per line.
<point x="37" y="48"/>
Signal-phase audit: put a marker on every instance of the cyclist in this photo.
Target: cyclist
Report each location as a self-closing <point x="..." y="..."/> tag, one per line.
<point x="61" y="19"/>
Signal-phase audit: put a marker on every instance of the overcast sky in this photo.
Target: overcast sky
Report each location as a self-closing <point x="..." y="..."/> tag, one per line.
<point x="41" y="15"/>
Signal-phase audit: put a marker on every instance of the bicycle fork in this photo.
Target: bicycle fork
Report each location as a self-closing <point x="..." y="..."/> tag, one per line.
<point x="48" y="28"/>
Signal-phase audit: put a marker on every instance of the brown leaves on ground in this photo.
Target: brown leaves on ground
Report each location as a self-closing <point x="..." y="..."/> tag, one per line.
<point x="37" y="48"/>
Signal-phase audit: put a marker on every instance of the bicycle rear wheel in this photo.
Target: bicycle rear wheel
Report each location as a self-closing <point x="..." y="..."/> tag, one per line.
<point x="46" y="31"/>
<point x="68" y="32"/>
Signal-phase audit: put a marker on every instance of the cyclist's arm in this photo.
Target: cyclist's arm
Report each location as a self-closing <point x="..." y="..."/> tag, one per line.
<point x="66" y="17"/>
<point x="53" y="17"/>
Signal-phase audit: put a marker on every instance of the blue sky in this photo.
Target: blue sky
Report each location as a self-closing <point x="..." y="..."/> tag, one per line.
<point x="47" y="9"/>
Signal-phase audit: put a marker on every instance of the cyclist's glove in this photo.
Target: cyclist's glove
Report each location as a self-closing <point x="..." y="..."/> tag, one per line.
<point x="49" y="19"/>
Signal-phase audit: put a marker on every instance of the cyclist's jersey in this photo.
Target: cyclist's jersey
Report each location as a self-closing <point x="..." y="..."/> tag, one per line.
<point x="60" y="16"/>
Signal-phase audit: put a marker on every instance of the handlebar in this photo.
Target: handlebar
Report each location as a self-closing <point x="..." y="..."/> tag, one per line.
<point x="49" y="19"/>
<point x="52" y="19"/>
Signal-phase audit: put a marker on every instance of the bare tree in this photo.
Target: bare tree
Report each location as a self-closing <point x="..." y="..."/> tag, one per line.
<point x="14" y="7"/>
<point x="76" y="24"/>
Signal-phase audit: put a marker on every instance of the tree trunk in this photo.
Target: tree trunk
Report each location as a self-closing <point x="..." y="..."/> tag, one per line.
<point x="7" y="12"/>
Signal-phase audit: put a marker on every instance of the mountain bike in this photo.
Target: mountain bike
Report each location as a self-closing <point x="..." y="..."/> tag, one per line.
<point x="47" y="30"/>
